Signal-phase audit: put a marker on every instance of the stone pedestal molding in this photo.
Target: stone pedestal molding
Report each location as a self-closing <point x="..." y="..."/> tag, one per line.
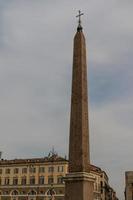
<point x="79" y="186"/>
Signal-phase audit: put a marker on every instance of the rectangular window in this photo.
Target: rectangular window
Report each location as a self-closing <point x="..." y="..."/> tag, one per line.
<point x="7" y="181"/>
<point x="23" y="180"/>
<point x="101" y="187"/>
<point x="24" y="170"/>
<point x="60" y="180"/>
<point x="7" y="171"/>
<point x="41" y="169"/>
<point x="15" y="181"/>
<point x="6" y="192"/>
<point x="50" y="180"/>
<point x="0" y="171"/>
<point x="32" y="170"/>
<point x="51" y="169"/>
<point x="16" y="170"/>
<point x="32" y="180"/>
<point x="41" y="180"/>
<point x="60" y="168"/>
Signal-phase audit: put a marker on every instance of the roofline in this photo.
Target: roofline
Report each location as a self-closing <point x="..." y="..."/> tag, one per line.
<point x="33" y="160"/>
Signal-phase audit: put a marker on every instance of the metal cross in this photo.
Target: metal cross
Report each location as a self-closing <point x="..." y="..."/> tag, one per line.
<point x="79" y="15"/>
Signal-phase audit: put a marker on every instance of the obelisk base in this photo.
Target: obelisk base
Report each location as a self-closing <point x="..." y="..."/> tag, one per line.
<point x="79" y="186"/>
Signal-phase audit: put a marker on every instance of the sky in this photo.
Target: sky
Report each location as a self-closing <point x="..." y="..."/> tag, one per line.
<point x="36" y="47"/>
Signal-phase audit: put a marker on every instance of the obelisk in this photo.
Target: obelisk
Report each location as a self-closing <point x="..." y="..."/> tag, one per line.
<point x="79" y="182"/>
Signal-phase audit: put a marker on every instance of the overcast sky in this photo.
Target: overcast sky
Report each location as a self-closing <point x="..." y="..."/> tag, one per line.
<point x="36" y="42"/>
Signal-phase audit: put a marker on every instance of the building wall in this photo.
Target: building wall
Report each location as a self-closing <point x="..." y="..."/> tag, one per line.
<point x="30" y="172"/>
<point x="97" y="189"/>
<point x="129" y="185"/>
<point x="54" y="168"/>
<point x="14" y="170"/>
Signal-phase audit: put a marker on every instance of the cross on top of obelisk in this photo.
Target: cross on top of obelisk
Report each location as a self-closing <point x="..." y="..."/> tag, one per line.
<point x="79" y="21"/>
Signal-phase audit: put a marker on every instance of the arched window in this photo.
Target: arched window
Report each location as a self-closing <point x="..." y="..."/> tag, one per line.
<point x="14" y="193"/>
<point x="51" y="192"/>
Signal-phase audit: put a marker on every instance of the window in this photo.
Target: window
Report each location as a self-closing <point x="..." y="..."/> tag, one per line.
<point x="16" y="170"/>
<point x="96" y="187"/>
<point x="32" y="180"/>
<point x="32" y="170"/>
<point x="15" y="181"/>
<point x="6" y="192"/>
<point x="51" y="169"/>
<point x="41" y="180"/>
<point x="7" y="171"/>
<point x="0" y="171"/>
<point x="51" y="192"/>
<point x="15" y="192"/>
<point x="24" y="170"/>
<point x="41" y="169"/>
<point x="32" y="192"/>
<point x="60" y="168"/>
<point x="50" y="180"/>
<point x="59" y="179"/>
<point x="101" y="187"/>
<point x="23" y="192"/>
<point x="60" y="192"/>
<point x="23" y="180"/>
<point x="7" y="181"/>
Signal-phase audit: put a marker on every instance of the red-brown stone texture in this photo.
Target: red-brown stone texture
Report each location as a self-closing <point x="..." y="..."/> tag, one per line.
<point x="79" y="131"/>
<point x="79" y="183"/>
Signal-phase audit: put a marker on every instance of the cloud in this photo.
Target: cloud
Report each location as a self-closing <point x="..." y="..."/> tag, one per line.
<point x="36" y="43"/>
<point x="111" y="139"/>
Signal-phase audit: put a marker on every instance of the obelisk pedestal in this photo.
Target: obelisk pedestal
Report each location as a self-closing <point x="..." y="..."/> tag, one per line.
<point x="79" y="186"/>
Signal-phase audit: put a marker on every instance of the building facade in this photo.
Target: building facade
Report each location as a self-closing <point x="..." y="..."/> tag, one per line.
<point x="129" y="185"/>
<point x="42" y="179"/>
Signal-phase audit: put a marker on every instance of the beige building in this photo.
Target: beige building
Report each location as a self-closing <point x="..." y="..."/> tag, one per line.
<point x="42" y="178"/>
<point x="129" y="185"/>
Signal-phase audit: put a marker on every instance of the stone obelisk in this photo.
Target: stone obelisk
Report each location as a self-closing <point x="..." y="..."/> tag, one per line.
<point x="79" y="182"/>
